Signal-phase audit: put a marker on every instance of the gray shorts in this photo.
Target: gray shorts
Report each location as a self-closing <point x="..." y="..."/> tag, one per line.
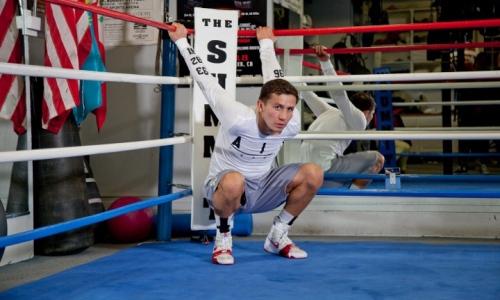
<point x="261" y="194"/>
<point x="357" y="163"/>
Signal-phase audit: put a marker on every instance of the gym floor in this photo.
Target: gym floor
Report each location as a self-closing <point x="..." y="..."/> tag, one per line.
<point x="347" y="268"/>
<point x="42" y="266"/>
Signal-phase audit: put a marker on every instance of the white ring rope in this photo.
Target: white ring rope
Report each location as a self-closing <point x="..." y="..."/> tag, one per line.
<point x="52" y="72"/>
<point x="401" y="135"/>
<point x="452" y="103"/>
<point x="475" y="128"/>
<point x="443" y="76"/>
<point x="438" y="103"/>
<point x="446" y="76"/>
<point x="50" y="153"/>
<point x="410" y="86"/>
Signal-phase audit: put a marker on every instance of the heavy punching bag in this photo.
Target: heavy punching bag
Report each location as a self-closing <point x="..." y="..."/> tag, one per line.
<point x="59" y="187"/>
<point x="17" y="203"/>
<point x="3" y="225"/>
<point x="94" y="200"/>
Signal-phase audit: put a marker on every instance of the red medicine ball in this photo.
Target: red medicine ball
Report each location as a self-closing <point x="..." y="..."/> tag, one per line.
<point x="132" y="227"/>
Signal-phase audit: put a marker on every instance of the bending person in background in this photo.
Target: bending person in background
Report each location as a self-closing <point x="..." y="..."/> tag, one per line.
<point x="354" y="114"/>
<point x="241" y="177"/>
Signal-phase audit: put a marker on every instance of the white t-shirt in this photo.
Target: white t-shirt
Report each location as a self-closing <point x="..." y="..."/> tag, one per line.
<point x="330" y="119"/>
<point x="239" y="144"/>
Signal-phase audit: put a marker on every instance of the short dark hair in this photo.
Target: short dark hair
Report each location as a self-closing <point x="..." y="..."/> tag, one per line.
<point x="363" y="101"/>
<point x="278" y="87"/>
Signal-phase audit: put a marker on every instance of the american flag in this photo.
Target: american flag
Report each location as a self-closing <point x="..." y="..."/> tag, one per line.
<point x="59" y="95"/>
<point x="12" y="101"/>
<point x="68" y="45"/>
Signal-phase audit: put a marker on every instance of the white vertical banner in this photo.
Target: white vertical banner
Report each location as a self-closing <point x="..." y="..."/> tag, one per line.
<point x="216" y="34"/>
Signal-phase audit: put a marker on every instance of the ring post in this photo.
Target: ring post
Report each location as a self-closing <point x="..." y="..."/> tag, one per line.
<point x="446" y="114"/>
<point x="164" y="215"/>
<point x="383" y="99"/>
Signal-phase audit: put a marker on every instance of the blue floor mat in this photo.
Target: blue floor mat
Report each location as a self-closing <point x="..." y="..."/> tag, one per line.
<point x="334" y="270"/>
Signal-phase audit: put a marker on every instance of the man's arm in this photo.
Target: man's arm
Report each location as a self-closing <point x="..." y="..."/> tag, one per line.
<point x="271" y="68"/>
<point x="318" y="105"/>
<point x="220" y="101"/>
<point x="352" y="115"/>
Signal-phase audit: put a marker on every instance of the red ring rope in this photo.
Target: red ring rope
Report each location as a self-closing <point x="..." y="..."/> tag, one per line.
<point x="294" y="32"/>
<point x="400" y="48"/>
<point x="113" y="14"/>
<point x="381" y="28"/>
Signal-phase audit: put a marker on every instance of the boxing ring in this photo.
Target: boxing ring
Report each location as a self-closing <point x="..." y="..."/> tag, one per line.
<point x="346" y="268"/>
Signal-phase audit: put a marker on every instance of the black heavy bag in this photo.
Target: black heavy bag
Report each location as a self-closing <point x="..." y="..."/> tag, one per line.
<point x="3" y="225"/>
<point x="94" y="199"/>
<point x="60" y="193"/>
<point x="59" y="187"/>
<point x="17" y="203"/>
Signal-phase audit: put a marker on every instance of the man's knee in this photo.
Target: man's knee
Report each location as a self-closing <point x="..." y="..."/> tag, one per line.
<point x="232" y="185"/>
<point x="311" y="175"/>
<point x="379" y="162"/>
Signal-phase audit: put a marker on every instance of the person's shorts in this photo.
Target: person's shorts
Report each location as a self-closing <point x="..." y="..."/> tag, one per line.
<point x="261" y="194"/>
<point x="355" y="163"/>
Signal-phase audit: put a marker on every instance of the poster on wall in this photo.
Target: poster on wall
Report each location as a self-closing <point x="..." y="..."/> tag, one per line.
<point x="118" y="32"/>
<point x="252" y="13"/>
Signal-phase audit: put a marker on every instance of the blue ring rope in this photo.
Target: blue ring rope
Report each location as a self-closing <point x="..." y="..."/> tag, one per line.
<point x="415" y="177"/>
<point x="89" y="220"/>
<point x="441" y="154"/>
<point x="408" y="193"/>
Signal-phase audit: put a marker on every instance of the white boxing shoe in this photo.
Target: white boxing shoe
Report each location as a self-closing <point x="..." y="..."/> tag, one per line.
<point x="278" y="242"/>
<point x="223" y="249"/>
